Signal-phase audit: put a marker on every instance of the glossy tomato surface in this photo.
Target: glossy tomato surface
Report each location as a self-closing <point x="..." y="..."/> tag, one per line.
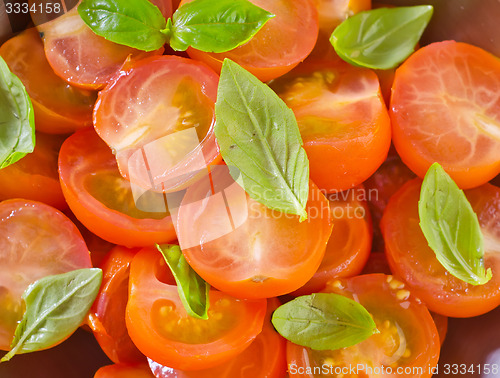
<point x="36" y="241"/>
<point x="411" y="258"/>
<point x="157" y="115"/>
<point x="245" y="248"/>
<point x="408" y="338"/>
<point x="103" y="200"/>
<point x="162" y="329"/>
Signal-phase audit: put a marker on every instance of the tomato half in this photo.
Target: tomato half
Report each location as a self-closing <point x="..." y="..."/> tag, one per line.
<point x="124" y="371"/>
<point x="265" y="357"/>
<point x="59" y="108"/>
<point x="280" y="45"/>
<point x="83" y="58"/>
<point x="411" y="258"/>
<point x="445" y="109"/>
<point x="247" y="249"/>
<point x="103" y="200"/>
<point x="162" y="329"/>
<point x="107" y="315"/>
<point x="36" y="241"/>
<point x="158" y="117"/>
<point x="35" y="176"/>
<point x="342" y="119"/>
<point x="349" y="245"/>
<point x="407" y="345"/>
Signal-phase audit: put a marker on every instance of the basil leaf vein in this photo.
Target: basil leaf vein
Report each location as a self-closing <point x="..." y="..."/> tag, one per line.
<point x="451" y="227"/>
<point x="216" y="26"/>
<point x="324" y="321"/>
<point x="381" y="38"/>
<point x="55" y="307"/>
<point x="17" y="122"/>
<point x="193" y="290"/>
<point x="258" y="134"/>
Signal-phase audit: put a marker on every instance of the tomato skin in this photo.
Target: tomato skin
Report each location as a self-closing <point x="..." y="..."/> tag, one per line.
<point x="35" y="177"/>
<point x="124" y="371"/>
<point x="107" y="315"/>
<point x="161" y="328"/>
<point x="402" y="322"/>
<point x="265" y="357"/>
<point x="267" y="253"/>
<point x="279" y="46"/>
<point x="455" y="96"/>
<point x="349" y="245"/>
<point x="36" y="240"/>
<point x="187" y="91"/>
<point x="58" y="107"/>
<point x="84" y="157"/>
<point x="342" y="118"/>
<point x="411" y="258"/>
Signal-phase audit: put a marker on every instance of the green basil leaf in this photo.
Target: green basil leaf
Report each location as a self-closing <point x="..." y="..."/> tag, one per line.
<point x="55" y="307"/>
<point x="381" y="38"/>
<point x="193" y="290"/>
<point x="258" y="134"/>
<point x="17" y="122"/>
<point x="324" y="321"/>
<point x="136" y="23"/>
<point x="216" y="25"/>
<point x="451" y="227"/>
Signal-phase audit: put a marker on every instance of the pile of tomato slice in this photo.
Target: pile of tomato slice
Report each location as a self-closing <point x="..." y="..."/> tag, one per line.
<point x="112" y="121"/>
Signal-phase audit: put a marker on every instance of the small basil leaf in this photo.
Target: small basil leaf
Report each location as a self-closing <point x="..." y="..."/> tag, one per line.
<point x="451" y="227"/>
<point x="381" y="38"/>
<point x="216" y="26"/>
<point x="258" y="134"/>
<point x="55" y="307"/>
<point x="324" y="321"/>
<point x="136" y="23"/>
<point x="17" y="122"/>
<point x="193" y="290"/>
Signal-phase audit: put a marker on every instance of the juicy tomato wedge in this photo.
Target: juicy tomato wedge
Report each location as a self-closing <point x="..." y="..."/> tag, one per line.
<point x="107" y="315"/>
<point x="247" y="249"/>
<point x="83" y="58"/>
<point x="265" y="357"/>
<point x="411" y="258"/>
<point x="407" y="345"/>
<point x="350" y="243"/>
<point x="124" y="371"/>
<point x="59" y="108"/>
<point x="342" y="119"/>
<point x="103" y="200"/>
<point x="158" y="117"/>
<point x="35" y="176"/>
<point x="162" y="329"/>
<point x="280" y="45"/>
<point x="445" y="109"/>
<point x="36" y="241"/>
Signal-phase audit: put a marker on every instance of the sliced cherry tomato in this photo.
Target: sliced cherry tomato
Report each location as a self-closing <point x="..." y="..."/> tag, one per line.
<point x="103" y="200"/>
<point x="36" y="241"/>
<point x="411" y="258"/>
<point x="162" y="329"/>
<point x="81" y="57"/>
<point x="407" y="345"/>
<point x="265" y="357"/>
<point x="342" y="119"/>
<point x="124" y="371"/>
<point x="158" y="117"/>
<point x="350" y="242"/>
<point x="445" y="109"/>
<point x="386" y="181"/>
<point x="280" y="45"/>
<point x="247" y="249"/>
<point x="107" y="315"/>
<point x="59" y="108"/>
<point x="35" y="176"/>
